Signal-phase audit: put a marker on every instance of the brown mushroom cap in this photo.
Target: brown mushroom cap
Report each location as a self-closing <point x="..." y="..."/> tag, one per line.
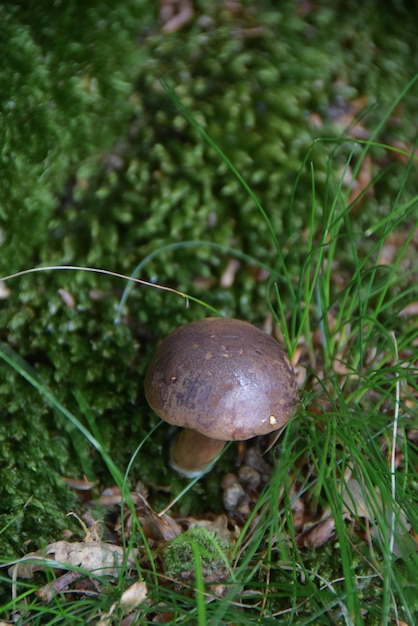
<point x="223" y="378"/>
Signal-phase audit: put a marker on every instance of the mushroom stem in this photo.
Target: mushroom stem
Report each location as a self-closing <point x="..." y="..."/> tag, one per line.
<point x="191" y="452"/>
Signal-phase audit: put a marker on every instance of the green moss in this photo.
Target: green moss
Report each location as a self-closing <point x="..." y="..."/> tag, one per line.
<point x="196" y="548"/>
<point x="65" y="81"/>
<point x="34" y="457"/>
<point x="62" y="67"/>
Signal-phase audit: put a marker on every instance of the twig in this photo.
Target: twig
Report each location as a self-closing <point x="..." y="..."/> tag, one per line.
<point x="48" y="591"/>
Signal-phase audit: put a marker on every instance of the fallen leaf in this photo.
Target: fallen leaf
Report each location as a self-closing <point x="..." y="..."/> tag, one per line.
<point x="405" y="154"/>
<point x="318" y="535"/>
<point x="357" y="501"/>
<point x="102" y="559"/>
<point x="133" y="596"/>
<point x="156" y="527"/>
<point x="409" y="309"/>
<point x="220" y="526"/>
<point x="361" y="502"/>
<point x="362" y="183"/>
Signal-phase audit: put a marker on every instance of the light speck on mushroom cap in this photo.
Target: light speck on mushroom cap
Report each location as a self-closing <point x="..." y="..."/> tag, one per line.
<point x="222" y="377"/>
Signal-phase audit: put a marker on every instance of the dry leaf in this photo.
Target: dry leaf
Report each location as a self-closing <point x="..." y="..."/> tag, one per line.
<point x="133" y="596"/>
<point x="156" y="527"/>
<point x="298" y="510"/>
<point x="404" y="156"/>
<point x="102" y="559"/>
<point x="409" y="309"/>
<point x="318" y="535"/>
<point x="357" y="503"/>
<point x="219" y="526"/>
<point x="360" y="502"/>
<point x="363" y="181"/>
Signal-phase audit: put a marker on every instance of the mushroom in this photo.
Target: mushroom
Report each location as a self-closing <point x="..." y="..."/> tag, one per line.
<point x="220" y="379"/>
